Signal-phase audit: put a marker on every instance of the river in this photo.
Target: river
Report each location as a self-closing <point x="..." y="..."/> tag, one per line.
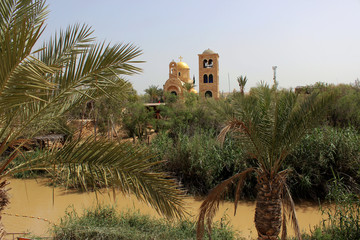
<point x="33" y="199"/>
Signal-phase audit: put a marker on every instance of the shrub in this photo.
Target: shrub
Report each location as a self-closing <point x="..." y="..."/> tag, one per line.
<point x="136" y="119"/>
<point x="103" y="222"/>
<point x="198" y="161"/>
<point x="320" y="151"/>
<point x="342" y="215"/>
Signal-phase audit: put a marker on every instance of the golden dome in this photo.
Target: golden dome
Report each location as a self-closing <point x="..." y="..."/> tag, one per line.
<point x="182" y="65"/>
<point x="193" y="90"/>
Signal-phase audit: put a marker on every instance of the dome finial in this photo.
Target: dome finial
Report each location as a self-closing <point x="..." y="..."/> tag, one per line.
<point x="181" y="58"/>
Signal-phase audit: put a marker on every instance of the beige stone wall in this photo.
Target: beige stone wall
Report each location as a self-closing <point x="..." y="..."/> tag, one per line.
<point x="173" y="84"/>
<point x="214" y="70"/>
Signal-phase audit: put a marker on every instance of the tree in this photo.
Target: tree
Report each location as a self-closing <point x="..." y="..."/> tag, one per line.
<point x="242" y="82"/>
<point x="269" y="124"/>
<point x="136" y="119"/>
<point x="154" y="92"/>
<point x="38" y="87"/>
<point x="188" y="86"/>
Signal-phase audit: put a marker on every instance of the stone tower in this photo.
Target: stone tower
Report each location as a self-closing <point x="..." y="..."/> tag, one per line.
<point x="209" y="74"/>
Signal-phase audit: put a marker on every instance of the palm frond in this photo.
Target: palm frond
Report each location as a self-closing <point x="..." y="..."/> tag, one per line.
<point x="22" y="77"/>
<point x="211" y="204"/>
<point x="66" y="45"/>
<point x="289" y="208"/>
<point x="304" y="115"/>
<point x="274" y="122"/>
<point x="100" y="164"/>
<point x="14" y="12"/>
<point x="80" y="71"/>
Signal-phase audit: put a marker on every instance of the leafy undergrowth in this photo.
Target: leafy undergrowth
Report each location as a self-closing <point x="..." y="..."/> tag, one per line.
<point x="103" y="222"/>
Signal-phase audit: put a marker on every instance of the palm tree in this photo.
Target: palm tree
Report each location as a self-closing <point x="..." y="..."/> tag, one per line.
<point x="39" y="87"/>
<point x="188" y="86"/>
<point x="154" y="92"/>
<point x="269" y="123"/>
<point x="242" y="82"/>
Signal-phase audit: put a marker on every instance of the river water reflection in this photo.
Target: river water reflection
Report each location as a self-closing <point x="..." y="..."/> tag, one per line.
<point x="33" y="198"/>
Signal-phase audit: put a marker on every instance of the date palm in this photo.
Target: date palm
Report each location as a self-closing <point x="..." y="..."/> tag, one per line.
<point x="37" y="88"/>
<point x="154" y="92"/>
<point x="269" y="124"/>
<point x="242" y="82"/>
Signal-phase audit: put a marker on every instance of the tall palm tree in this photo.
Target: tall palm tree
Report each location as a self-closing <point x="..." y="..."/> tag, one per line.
<point x="154" y="92"/>
<point x="242" y="82"/>
<point x="269" y="124"/>
<point x="38" y="87"/>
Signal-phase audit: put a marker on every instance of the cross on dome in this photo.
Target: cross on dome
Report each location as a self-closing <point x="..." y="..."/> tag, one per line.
<point x="181" y="58"/>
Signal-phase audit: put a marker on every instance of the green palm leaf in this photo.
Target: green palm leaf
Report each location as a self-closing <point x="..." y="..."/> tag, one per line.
<point x="38" y="87"/>
<point x="101" y="164"/>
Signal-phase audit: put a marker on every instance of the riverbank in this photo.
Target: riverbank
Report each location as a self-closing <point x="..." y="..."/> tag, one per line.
<point x="34" y="198"/>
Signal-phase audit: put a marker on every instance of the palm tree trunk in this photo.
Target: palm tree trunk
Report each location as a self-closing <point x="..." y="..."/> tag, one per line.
<point x="268" y="207"/>
<point x="4" y="201"/>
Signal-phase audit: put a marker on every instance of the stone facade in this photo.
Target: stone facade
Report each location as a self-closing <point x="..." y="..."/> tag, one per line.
<point x="179" y="75"/>
<point x="209" y="74"/>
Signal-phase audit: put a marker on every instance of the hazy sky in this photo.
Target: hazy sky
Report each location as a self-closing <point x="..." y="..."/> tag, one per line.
<point x="309" y="40"/>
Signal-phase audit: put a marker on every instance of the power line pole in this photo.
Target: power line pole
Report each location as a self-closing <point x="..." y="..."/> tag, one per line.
<point x="229" y="81"/>
<point x="274" y="69"/>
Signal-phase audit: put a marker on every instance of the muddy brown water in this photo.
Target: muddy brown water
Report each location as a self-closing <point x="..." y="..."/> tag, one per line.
<point x="32" y="199"/>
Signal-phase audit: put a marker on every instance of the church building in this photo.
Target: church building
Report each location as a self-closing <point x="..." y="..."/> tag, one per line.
<point x="179" y="76"/>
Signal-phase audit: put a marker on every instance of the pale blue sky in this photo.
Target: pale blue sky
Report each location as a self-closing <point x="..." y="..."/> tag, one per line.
<point x="309" y="40"/>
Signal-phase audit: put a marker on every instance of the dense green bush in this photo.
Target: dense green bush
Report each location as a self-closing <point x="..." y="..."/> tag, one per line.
<point x="135" y="120"/>
<point x="199" y="162"/>
<point x="345" y="112"/>
<point x="189" y="115"/>
<point x="318" y="153"/>
<point x="104" y="223"/>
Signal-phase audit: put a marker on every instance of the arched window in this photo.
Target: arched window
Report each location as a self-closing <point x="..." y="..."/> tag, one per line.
<point x="174" y="93"/>
<point x="179" y="74"/>
<point x="205" y="63"/>
<point x="208" y="94"/>
<point x="205" y="78"/>
<point x="211" y="78"/>
<point x="210" y="63"/>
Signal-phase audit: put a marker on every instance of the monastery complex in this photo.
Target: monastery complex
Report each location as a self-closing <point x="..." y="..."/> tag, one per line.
<point x="179" y="76"/>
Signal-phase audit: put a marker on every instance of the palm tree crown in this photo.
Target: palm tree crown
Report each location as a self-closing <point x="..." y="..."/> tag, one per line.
<point x="242" y="82"/>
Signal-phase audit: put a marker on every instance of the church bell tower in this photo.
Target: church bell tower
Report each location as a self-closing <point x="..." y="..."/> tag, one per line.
<point x="209" y="74"/>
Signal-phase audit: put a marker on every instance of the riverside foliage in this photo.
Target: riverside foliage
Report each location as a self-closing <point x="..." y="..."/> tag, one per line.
<point x="187" y="142"/>
<point x="105" y="223"/>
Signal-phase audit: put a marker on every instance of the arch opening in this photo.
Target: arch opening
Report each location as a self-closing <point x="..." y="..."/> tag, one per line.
<point x="205" y="78"/>
<point x="208" y="64"/>
<point x="205" y="63"/>
<point x="208" y="94"/>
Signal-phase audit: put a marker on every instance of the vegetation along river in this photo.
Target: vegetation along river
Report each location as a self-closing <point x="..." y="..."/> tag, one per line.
<point x="34" y="199"/>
